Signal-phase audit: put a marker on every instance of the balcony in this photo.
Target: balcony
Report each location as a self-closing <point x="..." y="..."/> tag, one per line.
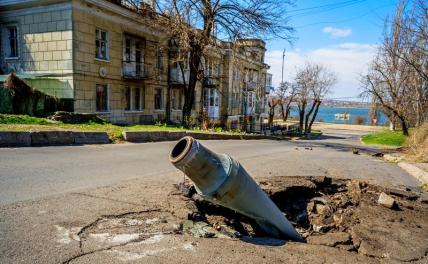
<point x="135" y="70"/>
<point x="176" y="76"/>
<point x="250" y="85"/>
<point x="268" y="89"/>
<point x="210" y="82"/>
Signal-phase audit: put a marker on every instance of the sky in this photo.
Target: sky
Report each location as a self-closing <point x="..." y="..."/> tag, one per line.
<point x="340" y="34"/>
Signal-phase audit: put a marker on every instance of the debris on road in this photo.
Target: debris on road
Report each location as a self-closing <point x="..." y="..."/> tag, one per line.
<point x="339" y="213"/>
<point x="222" y="180"/>
<point x="386" y="200"/>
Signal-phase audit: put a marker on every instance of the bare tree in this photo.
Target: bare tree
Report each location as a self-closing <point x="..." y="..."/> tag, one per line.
<point x="313" y="83"/>
<point x="272" y="103"/>
<point x="397" y="78"/>
<point x="285" y="93"/>
<point x="196" y="25"/>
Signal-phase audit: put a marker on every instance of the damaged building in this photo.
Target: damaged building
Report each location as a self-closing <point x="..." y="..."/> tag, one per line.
<point x="102" y="57"/>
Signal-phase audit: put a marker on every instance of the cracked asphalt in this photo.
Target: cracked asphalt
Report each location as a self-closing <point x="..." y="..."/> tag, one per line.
<point x="50" y="197"/>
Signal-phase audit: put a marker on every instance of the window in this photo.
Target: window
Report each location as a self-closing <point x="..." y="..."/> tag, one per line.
<point x="137" y="99"/>
<point x="138" y="58"/>
<point x="158" y="99"/>
<point x="102" y="97"/>
<point x="133" y="56"/>
<point x="219" y="70"/>
<point x="255" y="76"/>
<point x="128" y="50"/>
<point x="128" y="98"/>
<point x="236" y="74"/>
<point x="134" y="99"/>
<point x="10" y="45"/>
<point x="101" y="44"/>
<point x="176" y="99"/>
<point x="206" y="98"/>
<point x="159" y="57"/>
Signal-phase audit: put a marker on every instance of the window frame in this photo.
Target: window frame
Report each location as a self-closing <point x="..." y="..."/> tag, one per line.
<point x="6" y="36"/>
<point x="107" y="99"/>
<point x="176" y="102"/>
<point x="128" y="98"/>
<point x="131" y="98"/>
<point x="161" y="99"/>
<point x="107" y="44"/>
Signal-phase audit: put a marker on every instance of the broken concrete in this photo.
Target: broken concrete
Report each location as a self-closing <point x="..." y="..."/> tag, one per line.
<point x="386" y="200"/>
<point x="343" y="214"/>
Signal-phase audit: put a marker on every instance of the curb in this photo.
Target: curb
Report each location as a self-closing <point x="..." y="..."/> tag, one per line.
<point x="416" y="172"/>
<point x="64" y="138"/>
<point x="158" y="136"/>
<point x="51" y="138"/>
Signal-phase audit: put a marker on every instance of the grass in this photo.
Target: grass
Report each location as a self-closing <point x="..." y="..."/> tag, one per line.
<point x="387" y="138"/>
<point x="417" y="144"/>
<point x="29" y="123"/>
<point x="22" y="119"/>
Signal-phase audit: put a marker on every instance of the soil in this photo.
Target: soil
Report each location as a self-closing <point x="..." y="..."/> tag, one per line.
<point x="341" y="218"/>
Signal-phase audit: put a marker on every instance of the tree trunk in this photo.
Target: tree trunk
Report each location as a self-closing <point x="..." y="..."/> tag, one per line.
<point x="308" y="115"/>
<point x="314" y="116"/>
<point x="404" y="126"/>
<point x="282" y="112"/>
<point x="189" y="91"/>
<point x="271" y="115"/>
<point x="287" y="111"/>
<point x="301" y="116"/>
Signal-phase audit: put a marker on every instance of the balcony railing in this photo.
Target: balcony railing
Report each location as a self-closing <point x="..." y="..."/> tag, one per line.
<point x="268" y="89"/>
<point x="176" y="75"/>
<point x="250" y="85"/>
<point x="135" y="70"/>
<point x="210" y="81"/>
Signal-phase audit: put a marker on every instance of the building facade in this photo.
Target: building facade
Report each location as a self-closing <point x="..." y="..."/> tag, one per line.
<point x="107" y="59"/>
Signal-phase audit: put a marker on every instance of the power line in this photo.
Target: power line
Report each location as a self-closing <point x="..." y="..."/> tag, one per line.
<point x="322" y="9"/>
<point x="345" y="20"/>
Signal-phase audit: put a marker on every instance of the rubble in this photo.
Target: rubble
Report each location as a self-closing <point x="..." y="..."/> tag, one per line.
<point x="344" y="214"/>
<point x="330" y="239"/>
<point x="386" y="200"/>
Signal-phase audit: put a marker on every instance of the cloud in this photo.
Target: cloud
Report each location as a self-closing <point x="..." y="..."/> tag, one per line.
<point x="347" y="60"/>
<point x="337" y="32"/>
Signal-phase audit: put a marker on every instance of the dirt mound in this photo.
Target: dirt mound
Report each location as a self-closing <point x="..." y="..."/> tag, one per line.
<point x="345" y="214"/>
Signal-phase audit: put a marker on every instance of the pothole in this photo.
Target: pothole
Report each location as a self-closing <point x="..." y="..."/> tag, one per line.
<point x="324" y="211"/>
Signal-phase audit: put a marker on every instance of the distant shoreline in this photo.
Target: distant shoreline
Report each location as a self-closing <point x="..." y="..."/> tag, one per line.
<point x="331" y="106"/>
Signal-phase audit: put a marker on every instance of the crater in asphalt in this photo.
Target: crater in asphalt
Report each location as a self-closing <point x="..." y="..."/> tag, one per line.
<point x="344" y="214"/>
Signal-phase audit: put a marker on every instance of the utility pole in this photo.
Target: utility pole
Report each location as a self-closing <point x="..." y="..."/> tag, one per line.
<point x="282" y="72"/>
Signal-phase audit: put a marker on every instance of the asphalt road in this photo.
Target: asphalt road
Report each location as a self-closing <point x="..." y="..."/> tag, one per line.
<point x="29" y="173"/>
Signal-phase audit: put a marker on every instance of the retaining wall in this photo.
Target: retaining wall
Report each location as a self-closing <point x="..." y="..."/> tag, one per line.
<point x="155" y="136"/>
<point x="51" y="138"/>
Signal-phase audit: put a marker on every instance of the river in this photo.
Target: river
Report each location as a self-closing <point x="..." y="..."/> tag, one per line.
<point x="344" y="115"/>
